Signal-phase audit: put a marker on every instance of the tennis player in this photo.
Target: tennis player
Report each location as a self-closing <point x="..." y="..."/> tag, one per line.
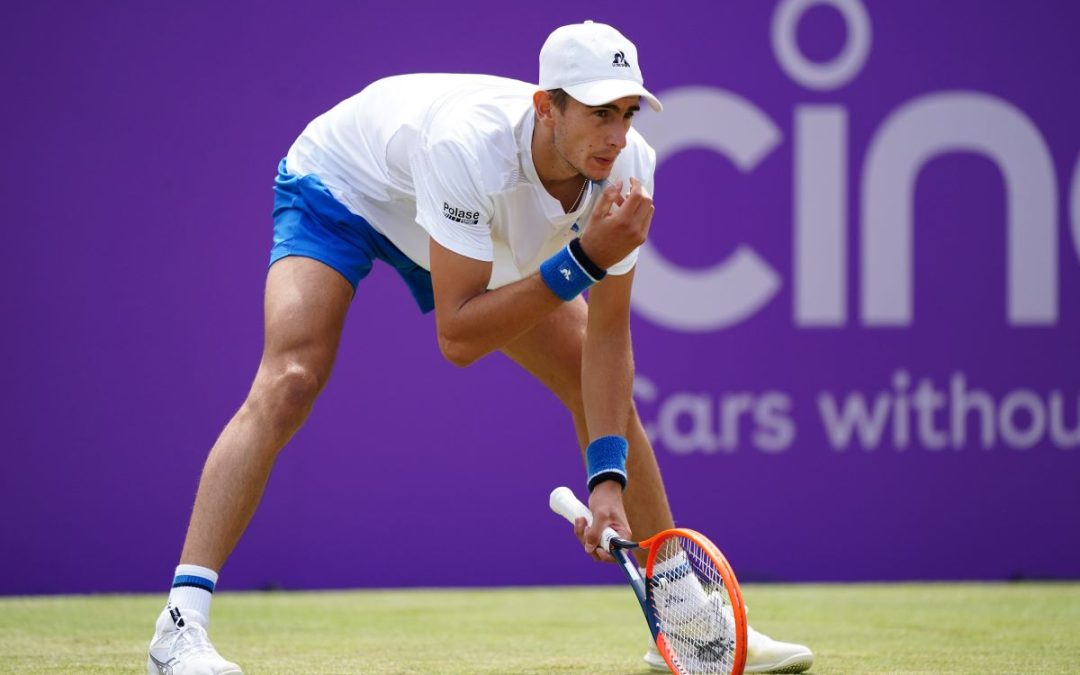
<point x="499" y="203"/>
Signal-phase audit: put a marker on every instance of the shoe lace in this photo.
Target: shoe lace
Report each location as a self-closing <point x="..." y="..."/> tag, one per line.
<point x="192" y="640"/>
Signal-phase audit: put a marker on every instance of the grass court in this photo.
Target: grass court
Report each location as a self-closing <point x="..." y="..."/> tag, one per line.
<point x="864" y="629"/>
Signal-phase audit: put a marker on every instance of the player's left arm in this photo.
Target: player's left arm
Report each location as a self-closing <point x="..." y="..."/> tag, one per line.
<point x="607" y="370"/>
<point x="607" y="376"/>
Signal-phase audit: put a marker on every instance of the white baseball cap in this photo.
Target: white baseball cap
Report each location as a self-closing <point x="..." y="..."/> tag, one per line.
<point x="594" y="63"/>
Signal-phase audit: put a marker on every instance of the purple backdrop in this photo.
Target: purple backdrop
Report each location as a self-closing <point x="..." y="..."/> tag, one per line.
<point x="807" y="415"/>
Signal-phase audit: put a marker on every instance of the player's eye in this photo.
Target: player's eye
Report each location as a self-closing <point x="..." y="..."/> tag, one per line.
<point x="602" y="114"/>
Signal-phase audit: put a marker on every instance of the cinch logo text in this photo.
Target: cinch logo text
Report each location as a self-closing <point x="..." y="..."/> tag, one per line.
<point x="905" y="141"/>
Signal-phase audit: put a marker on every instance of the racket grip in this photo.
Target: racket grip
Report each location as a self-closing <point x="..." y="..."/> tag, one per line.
<point x="564" y="503"/>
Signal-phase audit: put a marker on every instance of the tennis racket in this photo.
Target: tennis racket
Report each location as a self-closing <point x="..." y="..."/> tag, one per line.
<point x="690" y="597"/>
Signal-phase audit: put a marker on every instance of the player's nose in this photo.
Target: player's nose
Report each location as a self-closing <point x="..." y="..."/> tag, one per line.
<point x="617" y="138"/>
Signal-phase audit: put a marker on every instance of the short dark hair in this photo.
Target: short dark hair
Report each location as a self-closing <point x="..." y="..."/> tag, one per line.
<point x="559" y="98"/>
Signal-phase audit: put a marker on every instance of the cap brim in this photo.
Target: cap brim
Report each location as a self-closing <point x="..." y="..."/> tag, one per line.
<point x="600" y="92"/>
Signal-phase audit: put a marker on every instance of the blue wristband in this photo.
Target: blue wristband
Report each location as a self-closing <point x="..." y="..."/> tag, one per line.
<point x="565" y="276"/>
<point x="605" y="459"/>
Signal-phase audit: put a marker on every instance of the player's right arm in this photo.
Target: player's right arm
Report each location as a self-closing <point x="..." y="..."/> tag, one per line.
<point x="453" y="207"/>
<point x="472" y="321"/>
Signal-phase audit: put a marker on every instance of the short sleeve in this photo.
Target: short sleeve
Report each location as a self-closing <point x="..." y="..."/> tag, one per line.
<point x="451" y="204"/>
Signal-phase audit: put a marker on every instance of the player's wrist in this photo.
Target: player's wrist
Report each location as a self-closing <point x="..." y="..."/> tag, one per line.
<point x="570" y="271"/>
<point x="605" y="494"/>
<point x="594" y="248"/>
<point x="605" y="461"/>
<point x="581" y="255"/>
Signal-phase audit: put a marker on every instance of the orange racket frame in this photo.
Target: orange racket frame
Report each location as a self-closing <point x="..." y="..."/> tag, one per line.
<point x="563" y="502"/>
<point x="654" y="544"/>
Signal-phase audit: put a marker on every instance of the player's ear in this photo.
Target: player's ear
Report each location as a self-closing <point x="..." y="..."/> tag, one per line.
<point x="543" y="104"/>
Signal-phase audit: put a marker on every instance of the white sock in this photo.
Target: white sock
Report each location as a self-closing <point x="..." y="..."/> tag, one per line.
<point x="193" y="589"/>
<point x="680" y="578"/>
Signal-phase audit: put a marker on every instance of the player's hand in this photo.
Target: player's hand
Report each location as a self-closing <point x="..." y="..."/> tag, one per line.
<point x="606" y="505"/>
<point x="618" y="224"/>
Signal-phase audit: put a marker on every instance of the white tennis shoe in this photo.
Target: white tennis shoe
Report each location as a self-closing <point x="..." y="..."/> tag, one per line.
<point x="766" y="655"/>
<point x="182" y="647"/>
<point x="763" y="655"/>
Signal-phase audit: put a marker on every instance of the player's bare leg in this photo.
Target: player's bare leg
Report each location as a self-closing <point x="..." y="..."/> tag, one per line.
<point x="305" y="306"/>
<point x="551" y="351"/>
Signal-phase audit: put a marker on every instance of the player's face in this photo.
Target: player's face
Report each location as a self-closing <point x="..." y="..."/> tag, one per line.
<point x="589" y="138"/>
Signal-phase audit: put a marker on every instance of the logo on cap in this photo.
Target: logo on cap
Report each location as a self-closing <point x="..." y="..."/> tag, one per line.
<point x="620" y="61"/>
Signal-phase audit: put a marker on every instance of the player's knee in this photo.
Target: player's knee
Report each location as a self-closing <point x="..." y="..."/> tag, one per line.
<point x="286" y="393"/>
<point x="298" y="386"/>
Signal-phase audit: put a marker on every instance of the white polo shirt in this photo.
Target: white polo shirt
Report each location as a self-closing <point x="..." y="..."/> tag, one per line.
<point x="450" y="157"/>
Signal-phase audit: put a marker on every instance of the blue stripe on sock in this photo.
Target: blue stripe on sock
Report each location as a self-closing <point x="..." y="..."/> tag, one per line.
<point x="190" y="580"/>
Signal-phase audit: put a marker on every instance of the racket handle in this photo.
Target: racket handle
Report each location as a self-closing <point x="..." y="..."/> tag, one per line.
<point x="564" y="503"/>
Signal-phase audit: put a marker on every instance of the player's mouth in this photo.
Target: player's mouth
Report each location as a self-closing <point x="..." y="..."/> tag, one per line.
<point x="604" y="162"/>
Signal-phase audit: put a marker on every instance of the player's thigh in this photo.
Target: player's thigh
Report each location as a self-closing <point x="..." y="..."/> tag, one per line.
<point x="551" y="351"/>
<point x="305" y="306"/>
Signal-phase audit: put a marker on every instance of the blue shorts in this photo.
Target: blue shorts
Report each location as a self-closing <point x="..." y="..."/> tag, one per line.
<point x="309" y="222"/>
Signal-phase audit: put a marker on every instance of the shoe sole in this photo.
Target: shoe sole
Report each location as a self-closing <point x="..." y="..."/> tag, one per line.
<point x="794" y="664"/>
<point x="153" y="669"/>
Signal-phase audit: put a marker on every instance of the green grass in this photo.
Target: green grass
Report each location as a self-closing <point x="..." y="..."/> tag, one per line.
<point x="864" y="629"/>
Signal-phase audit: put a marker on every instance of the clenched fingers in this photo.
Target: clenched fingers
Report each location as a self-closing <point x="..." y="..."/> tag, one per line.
<point x="590" y="540"/>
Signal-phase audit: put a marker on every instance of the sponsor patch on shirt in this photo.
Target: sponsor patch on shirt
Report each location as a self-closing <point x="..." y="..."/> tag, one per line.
<point x="460" y="215"/>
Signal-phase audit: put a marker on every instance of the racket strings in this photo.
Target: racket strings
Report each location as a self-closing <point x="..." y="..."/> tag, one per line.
<point x="693" y="608"/>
